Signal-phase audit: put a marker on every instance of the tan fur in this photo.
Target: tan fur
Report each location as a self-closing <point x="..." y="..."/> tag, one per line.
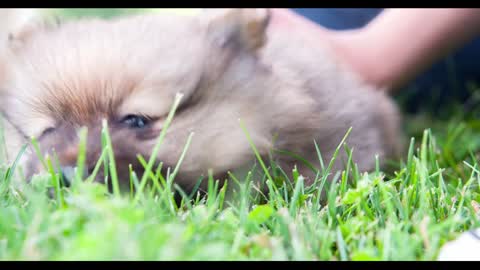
<point x="289" y="89"/>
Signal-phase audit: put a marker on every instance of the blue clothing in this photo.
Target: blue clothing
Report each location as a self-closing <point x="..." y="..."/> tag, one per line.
<point x="447" y="79"/>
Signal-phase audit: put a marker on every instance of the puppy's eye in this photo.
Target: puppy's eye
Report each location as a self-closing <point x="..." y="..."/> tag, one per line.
<point x="47" y="131"/>
<point x="135" y="121"/>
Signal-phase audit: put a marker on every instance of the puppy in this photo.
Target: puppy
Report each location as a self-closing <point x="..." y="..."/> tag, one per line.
<point x="230" y="67"/>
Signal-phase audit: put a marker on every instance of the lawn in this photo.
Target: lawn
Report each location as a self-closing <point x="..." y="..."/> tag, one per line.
<point x="407" y="215"/>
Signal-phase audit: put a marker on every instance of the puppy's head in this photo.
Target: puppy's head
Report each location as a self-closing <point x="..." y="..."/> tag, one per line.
<point x="128" y="71"/>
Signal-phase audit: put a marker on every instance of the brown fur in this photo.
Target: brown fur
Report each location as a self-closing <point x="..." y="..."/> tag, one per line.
<point x="228" y="65"/>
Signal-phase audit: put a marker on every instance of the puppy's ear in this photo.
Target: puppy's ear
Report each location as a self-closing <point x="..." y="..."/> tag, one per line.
<point x="243" y="28"/>
<point x="17" y="24"/>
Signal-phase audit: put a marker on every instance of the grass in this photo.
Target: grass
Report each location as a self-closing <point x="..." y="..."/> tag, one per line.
<point x="408" y="215"/>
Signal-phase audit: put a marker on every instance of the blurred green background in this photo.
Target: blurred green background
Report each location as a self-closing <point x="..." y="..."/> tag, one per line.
<point x="73" y="13"/>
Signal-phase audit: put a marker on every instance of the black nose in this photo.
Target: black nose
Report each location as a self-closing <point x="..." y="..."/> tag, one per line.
<point x="68" y="174"/>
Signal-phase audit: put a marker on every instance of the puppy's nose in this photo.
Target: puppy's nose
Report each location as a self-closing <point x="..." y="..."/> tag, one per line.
<point x="68" y="174"/>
